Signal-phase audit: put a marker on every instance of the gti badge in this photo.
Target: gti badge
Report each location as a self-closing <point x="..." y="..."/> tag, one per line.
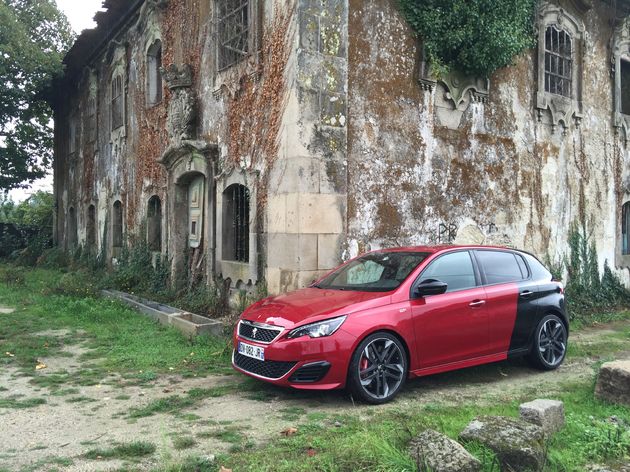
<point x="254" y="333"/>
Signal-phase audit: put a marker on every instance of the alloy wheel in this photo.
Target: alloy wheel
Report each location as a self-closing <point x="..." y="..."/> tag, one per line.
<point x="381" y="368"/>
<point x="552" y="342"/>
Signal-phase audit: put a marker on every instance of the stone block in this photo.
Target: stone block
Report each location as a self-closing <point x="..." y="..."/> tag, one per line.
<point x="277" y="213"/>
<point x="517" y="444"/>
<point x="283" y="251"/>
<point x="613" y="382"/>
<point x="320" y="213"/>
<point x="548" y="414"/>
<point x="328" y="251"/>
<point x="438" y="453"/>
<point x="295" y="174"/>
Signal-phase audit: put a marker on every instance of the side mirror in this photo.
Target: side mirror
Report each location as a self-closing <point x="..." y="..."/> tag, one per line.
<point x="430" y="287"/>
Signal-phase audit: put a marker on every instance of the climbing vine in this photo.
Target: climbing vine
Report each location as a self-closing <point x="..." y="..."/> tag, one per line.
<point x="475" y="37"/>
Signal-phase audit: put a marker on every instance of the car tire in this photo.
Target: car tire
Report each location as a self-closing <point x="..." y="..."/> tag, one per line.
<point x="549" y="347"/>
<point x="378" y="368"/>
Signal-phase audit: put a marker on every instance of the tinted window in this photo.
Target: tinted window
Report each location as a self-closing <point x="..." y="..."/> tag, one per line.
<point x="455" y="269"/>
<point x="375" y="272"/>
<point x="499" y="267"/>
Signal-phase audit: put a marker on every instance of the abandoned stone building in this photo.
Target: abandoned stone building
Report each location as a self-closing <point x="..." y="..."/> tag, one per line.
<point x="271" y="140"/>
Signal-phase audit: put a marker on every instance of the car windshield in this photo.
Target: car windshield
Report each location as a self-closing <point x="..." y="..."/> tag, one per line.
<point x="375" y="272"/>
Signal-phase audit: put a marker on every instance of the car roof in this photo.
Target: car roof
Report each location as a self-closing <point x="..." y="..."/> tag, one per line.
<point x="440" y="248"/>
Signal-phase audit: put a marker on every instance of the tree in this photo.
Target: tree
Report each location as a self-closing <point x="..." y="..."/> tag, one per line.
<point x="34" y="36"/>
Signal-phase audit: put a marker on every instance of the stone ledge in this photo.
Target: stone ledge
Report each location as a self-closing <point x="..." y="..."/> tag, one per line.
<point x="613" y="382"/>
<point x="188" y="323"/>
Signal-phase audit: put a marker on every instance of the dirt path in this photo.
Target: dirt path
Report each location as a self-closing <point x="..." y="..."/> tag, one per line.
<point x="76" y="419"/>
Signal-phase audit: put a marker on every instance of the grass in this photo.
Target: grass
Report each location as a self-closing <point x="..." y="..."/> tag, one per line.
<point x="174" y="404"/>
<point x="183" y="442"/>
<point x="14" y="403"/>
<point x="118" y="338"/>
<point x="128" y="451"/>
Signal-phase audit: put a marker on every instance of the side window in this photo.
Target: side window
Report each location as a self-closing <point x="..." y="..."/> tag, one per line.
<point x="455" y="269"/>
<point x="499" y="267"/>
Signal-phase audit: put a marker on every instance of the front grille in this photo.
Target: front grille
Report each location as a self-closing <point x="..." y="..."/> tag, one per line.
<point x="258" y="332"/>
<point x="268" y="369"/>
<point x="310" y="373"/>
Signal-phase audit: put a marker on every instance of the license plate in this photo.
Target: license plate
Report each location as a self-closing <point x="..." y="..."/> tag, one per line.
<point x="254" y="352"/>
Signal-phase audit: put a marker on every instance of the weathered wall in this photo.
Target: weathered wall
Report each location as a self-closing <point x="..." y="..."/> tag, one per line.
<point x="421" y="171"/>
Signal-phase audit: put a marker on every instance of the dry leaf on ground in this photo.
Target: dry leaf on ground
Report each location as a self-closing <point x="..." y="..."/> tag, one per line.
<point x="289" y="432"/>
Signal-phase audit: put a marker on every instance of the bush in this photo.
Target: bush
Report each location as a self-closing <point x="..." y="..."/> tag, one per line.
<point x="77" y="284"/>
<point x="55" y="258"/>
<point x="587" y="291"/>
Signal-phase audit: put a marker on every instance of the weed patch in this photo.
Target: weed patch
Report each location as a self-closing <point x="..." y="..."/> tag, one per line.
<point x="127" y="451"/>
<point x="14" y="403"/>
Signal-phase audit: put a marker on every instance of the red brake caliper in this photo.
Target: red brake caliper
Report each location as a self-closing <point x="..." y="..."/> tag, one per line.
<point x="363" y="365"/>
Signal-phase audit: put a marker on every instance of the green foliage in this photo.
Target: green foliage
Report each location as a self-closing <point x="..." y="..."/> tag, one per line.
<point x="475" y="37"/>
<point x="123" y="451"/>
<point x="587" y="291"/>
<point x="34" y="36"/>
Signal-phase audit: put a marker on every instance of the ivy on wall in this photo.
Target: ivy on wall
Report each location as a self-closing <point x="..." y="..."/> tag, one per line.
<point x="475" y="37"/>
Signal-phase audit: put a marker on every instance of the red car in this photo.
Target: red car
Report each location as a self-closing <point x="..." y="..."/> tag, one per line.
<point x="407" y="312"/>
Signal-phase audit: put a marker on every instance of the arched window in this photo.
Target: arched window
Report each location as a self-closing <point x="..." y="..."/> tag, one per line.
<point x="625" y="229"/>
<point x="91" y="228"/>
<point x="236" y="223"/>
<point x="117" y="225"/>
<point x="118" y="102"/>
<point x="558" y="62"/>
<point x="154" y="224"/>
<point x="72" y="227"/>
<point x="154" y="76"/>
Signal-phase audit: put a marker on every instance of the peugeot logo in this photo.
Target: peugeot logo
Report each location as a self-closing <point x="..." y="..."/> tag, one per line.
<point x="254" y="332"/>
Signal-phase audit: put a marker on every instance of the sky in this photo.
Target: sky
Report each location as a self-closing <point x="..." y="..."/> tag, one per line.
<point x="80" y="13"/>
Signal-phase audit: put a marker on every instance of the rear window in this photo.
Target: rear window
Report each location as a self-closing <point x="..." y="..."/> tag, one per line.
<point x="500" y="267"/>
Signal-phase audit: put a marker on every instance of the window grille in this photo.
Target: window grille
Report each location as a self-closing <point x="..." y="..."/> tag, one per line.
<point x="233" y="31"/>
<point x="154" y="224"/>
<point x="625" y="229"/>
<point x="117" y="102"/>
<point x="558" y="62"/>
<point x="236" y="207"/>
<point x="91" y="228"/>
<point x="117" y="225"/>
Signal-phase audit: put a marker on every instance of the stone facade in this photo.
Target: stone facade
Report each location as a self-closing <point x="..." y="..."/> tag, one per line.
<point x="320" y="133"/>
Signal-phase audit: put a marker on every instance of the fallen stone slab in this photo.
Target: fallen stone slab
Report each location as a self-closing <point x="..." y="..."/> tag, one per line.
<point x="613" y="382"/>
<point x="518" y="445"/>
<point x="6" y="311"/>
<point x="548" y="414"/>
<point x="438" y="453"/>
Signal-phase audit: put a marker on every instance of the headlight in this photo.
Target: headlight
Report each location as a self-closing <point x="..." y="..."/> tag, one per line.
<point x="319" y="329"/>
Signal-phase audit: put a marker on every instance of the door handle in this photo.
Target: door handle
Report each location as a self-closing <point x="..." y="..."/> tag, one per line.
<point x="527" y="293"/>
<point x="477" y="303"/>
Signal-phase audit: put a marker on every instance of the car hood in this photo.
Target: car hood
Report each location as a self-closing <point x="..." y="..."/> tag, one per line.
<point x="311" y="305"/>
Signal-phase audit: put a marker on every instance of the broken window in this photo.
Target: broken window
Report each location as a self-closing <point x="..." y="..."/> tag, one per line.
<point x="72" y="228"/>
<point x="154" y="76"/>
<point x="625" y="86"/>
<point x="91" y="121"/>
<point x="236" y="223"/>
<point x="625" y="229"/>
<point x="558" y="62"/>
<point x="91" y="228"/>
<point x="233" y="31"/>
<point x="72" y="135"/>
<point x="154" y="224"/>
<point x="117" y="102"/>
<point x="117" y="225"/>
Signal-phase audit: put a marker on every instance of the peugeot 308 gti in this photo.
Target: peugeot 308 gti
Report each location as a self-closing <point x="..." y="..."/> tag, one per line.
<point x="397" y="313"/>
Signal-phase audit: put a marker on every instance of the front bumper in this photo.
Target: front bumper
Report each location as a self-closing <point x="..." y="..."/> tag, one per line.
<point x="302" y="363"/>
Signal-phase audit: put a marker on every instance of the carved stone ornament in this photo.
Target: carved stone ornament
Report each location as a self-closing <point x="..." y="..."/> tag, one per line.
<point x="620" y="50"/>
<point x="182" y="117"/>
<point x="553" y="108"/>
<point x="181" y="110"/>
<point x="458" y="86"/>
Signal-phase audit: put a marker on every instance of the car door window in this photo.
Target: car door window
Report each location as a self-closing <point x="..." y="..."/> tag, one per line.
<point x="455" y="269"/>
<point x="500" y="267"/>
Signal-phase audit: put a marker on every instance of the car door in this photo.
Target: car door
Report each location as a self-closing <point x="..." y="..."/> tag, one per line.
<point x="453" y="326"/>
<point x="511" y="297"/>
